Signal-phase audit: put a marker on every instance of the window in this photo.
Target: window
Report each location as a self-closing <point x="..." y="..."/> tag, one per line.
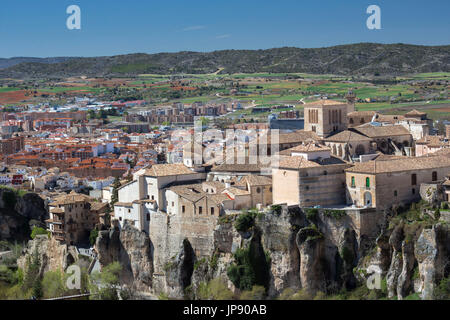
<point x="395" y="193"/>
<point x="148" y="216"/>
<point x="173" y="204"/>
<point x="212" y="211"/>
<point x="153" y="197"/>
<point x="367" y="182"/>
<point x="270" y="189"/>
<point x="414" y="179"/>
<point x="353" y="182"/>
<point x="258" y="190"/>
<point x="200" y="209"/>
<point x="325" y="173"/>
<point x="434" y="176"/>
<point x="120" y="218"/>
<point x="183" y="209"/>
<point x="129" y="210"/>
<point x="413" y="191"/>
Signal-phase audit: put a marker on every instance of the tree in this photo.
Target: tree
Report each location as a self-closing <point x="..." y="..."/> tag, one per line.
<point x="104" y="285"/>
<point x="53" y="284"/>
<point x="115" y="195"/>
<point x="93" y="236"/>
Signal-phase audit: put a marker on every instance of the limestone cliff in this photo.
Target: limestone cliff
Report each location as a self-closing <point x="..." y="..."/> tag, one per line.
<point x="16" y="213"/>
<point x="132" y="249"/>
<point x="316" y="250"/>
<point x="52" y="255"/>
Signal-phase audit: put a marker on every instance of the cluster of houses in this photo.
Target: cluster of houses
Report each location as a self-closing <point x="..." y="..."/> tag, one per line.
<point x="91" y="174"/>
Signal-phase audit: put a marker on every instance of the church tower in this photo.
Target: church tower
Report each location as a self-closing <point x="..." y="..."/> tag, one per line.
<point x="351" y="99"/>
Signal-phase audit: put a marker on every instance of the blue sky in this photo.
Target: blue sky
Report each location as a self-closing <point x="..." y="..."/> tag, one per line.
<point x="38" y="28"/>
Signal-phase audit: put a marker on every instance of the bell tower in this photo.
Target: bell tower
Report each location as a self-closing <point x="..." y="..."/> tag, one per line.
<point x="351" y="99"/>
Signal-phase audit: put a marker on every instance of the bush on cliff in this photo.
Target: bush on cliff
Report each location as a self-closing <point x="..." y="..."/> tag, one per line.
<point x="442" y="292"/>
<point x="245" y="221"/>
<point x="252" y="267"/>
<point x="38" y="231"/>
<point x="257" y="293"/>
<point x="104" y="285"/>
<point x="93" y="236"/>
<point x="216" y="289"/>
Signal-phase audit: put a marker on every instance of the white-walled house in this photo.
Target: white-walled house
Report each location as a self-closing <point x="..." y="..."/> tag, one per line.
<point x="146" y="193"/>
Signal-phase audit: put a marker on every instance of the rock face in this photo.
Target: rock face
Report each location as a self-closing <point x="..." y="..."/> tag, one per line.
<point x="432" y="251"/>
<point x="314" y="252"/>
<point x="412" y="263"/>
<point x="132" y="249"/>
<point x="52" y="255"/>
<point x="16" y="212"/>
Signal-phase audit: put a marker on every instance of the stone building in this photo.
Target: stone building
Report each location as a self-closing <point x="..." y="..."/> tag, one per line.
<point x="73" y="216"/>
<point x="146" y="193"/>
<point x="380" y="184"/>
<point x="325" y="117"/>
<point x="348" y="144"/>
<point x="388" y="139"/>
<point x="309" y="176"/>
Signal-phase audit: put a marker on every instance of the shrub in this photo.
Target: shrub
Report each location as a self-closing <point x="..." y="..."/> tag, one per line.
<point x="320" y="296"/>
<point x="163" y="296"/>
<point x="213" y="261"/>
<point x="216" y="289"/>
<point x="251" y="268"/>
<point x="257" y="293"/>
<point x="442" y="292"/>
<point x="103" y="285"/>
<point x="311" y="213"/>
<point x="244" y="222"/>
<point x="53" y="284"/>
<point x="93" y="236"/>
<point x="38" y="231"/>
<point x="337" y="214"/>
<point x="276" y="209"/>
<point x="198" y="263"/>
<point x="286" y="294"/>
<point x="301" y="295"/>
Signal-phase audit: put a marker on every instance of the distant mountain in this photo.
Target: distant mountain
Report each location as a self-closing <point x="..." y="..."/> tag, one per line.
<point x="10" y="62"/>
<point x="357" y="59"/>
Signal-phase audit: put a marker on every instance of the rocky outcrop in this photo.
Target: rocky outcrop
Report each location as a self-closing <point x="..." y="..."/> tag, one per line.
<point x="323" y="252"/>
<point x="404" y="281"/>
<point x="130" y="247"/>
<point x="52" y="255"/>
<point x="310" y="245"/>
<point x="18" y="212"/>
<point x="432" y="251"/>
